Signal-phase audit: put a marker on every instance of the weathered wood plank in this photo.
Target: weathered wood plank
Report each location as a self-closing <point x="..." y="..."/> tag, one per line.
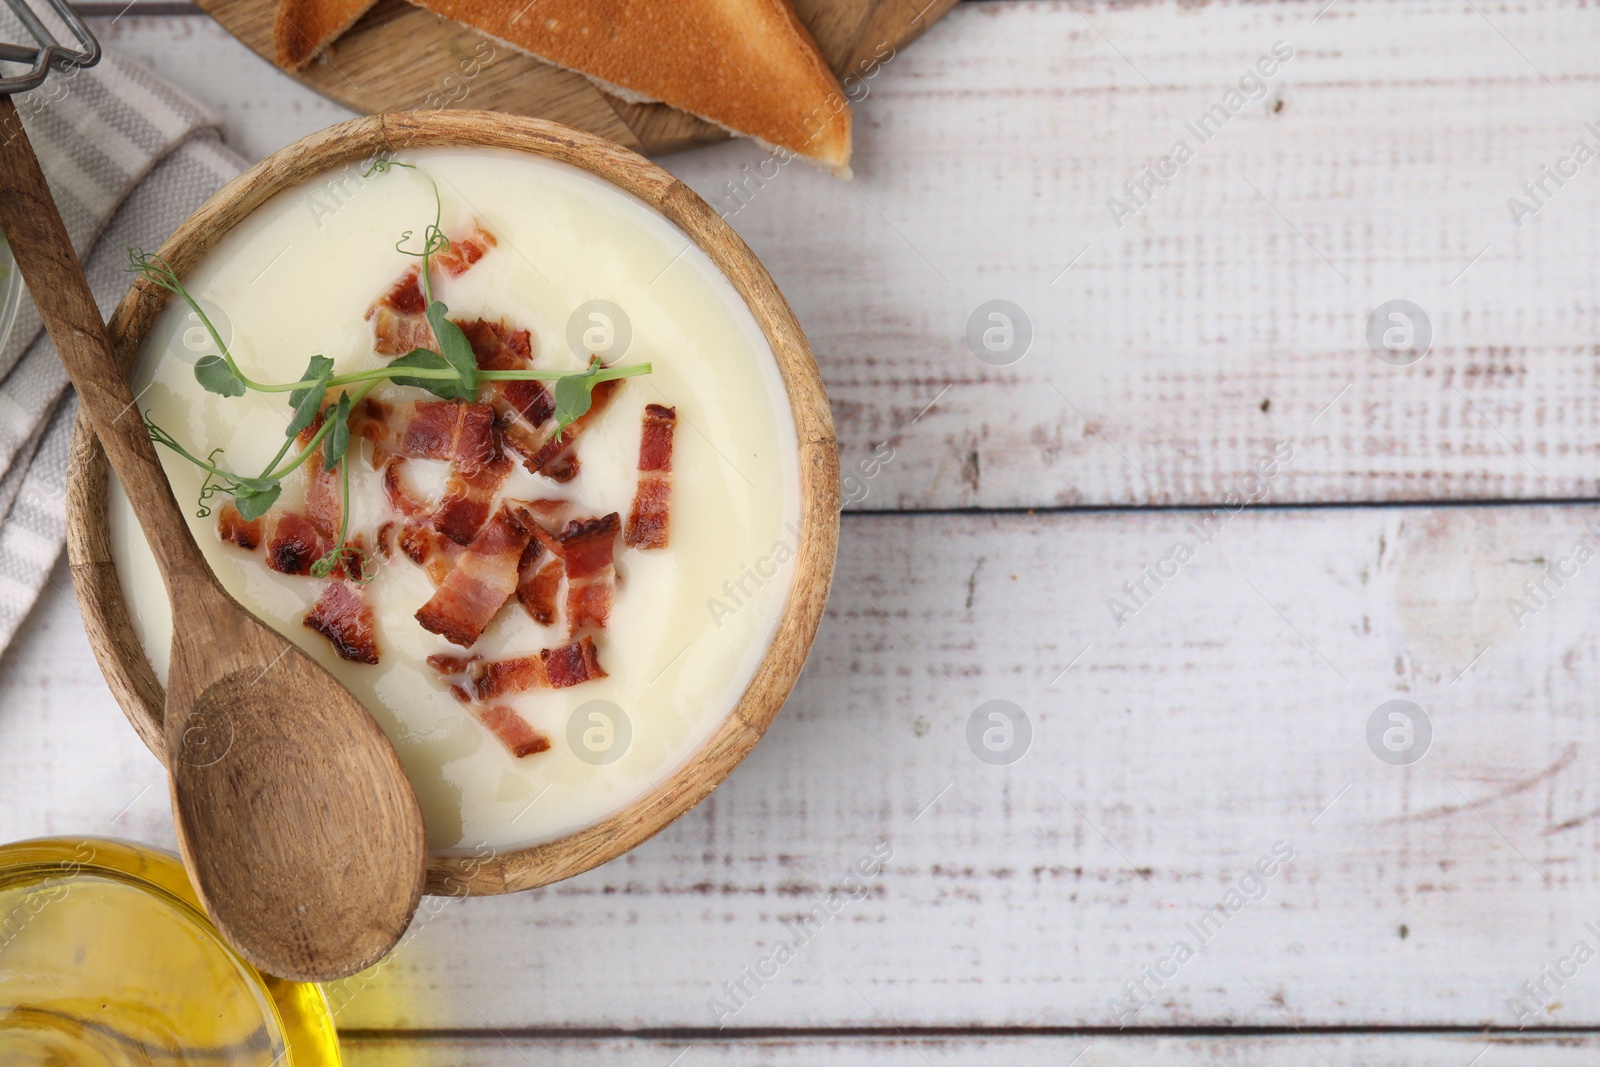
<point x="1180" y="347"/>
<point x="1349" y="1050"/>
<point x="1210" y="725"/>
<point x="1228" y="312"/>
<point x="1228" y="714"/>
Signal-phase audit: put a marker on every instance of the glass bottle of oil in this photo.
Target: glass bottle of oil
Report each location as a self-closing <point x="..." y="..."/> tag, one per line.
<point x="107" y="960"/>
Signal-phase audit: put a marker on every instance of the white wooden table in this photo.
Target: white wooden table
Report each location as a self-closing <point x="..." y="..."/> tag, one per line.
<point x="1225" y="318"/>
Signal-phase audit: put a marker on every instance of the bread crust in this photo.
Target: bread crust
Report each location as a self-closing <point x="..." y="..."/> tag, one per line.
<point x="303" y="28"/>
<point x="746" y="65"/>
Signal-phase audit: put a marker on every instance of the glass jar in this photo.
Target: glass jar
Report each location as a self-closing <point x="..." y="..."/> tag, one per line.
<point x="10" y="291"/>
<point x="108" y="960"/>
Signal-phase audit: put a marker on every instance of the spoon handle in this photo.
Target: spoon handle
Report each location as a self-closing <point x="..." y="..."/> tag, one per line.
<point x="40" y="245"/>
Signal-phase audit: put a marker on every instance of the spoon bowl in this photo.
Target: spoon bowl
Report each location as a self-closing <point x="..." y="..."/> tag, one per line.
<point x="267" y="748"/>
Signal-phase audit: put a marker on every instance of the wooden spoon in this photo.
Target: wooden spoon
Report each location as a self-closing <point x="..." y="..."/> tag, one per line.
<point x="297" y="824"/>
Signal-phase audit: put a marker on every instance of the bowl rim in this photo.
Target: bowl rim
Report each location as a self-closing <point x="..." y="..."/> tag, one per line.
<point x="105" y="612"/>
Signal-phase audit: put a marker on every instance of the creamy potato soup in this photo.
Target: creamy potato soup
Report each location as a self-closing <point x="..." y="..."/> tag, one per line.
<point x="546" y="626"/>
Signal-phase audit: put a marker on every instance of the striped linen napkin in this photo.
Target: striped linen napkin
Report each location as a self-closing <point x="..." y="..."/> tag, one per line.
<point x="128" y="157"/>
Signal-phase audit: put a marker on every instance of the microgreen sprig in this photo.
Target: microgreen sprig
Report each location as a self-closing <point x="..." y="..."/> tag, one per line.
<point x="252" y="496"/>
<point x="451" y="373"/>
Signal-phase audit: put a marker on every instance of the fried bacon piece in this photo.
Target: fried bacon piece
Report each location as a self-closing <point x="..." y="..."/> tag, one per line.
<point x="496" y="345"/>
<point x="512" y="730"/>
<point x="474" y="679"/>
<point x="294" y="543"/>
<point x="401" y="499"/>
<point x="406" y="296"/>
<point x="539" y="583"/>
<point x="464" y="251"/>
<point x="342" y="616"/>
<point x="461" y="433"/>
<point x="430" y="550"/>
<point x="557" y="458"/>
<point x="294" y="540"/>
<point x="448" y="430"/>
<point x="468" y="496"/>
<point x="234" y="527"/>
<point x="323" y="495"/>
<point x="522" y="406"/>
<point x="655" y="440"/>
<point x="571" y="663"/>
<point x="647" y="522"/>
<point x="397" y="317"/>
<point x="587" y="550"/>
<point x="449" y="664"/>
<point x="483" y="579"/>
<point x="386" y="537"/>
<point x="497" y="677"/>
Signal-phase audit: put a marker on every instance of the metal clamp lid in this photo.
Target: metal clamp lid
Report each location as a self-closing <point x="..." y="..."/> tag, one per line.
<point x="47" y="52"/>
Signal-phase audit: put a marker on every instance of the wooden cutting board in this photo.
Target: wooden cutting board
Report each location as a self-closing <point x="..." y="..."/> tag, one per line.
<point x="402" y="58"/>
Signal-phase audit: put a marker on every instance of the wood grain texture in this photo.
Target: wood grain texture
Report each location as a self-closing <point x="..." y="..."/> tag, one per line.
<point x="295" y="820"/>
<point x="1193" y="738"/>
<point x="130" y="675"/>
<point x="891" y="1050"/>
<point x="1166" y="338"/>
<point x="1192" y="735"/>
<point x="1178" y="347"/>
<point x="1165" y="763"/>
<point x="400" y="57"/>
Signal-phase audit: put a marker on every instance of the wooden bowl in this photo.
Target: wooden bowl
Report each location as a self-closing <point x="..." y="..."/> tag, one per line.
<point x="100" y="598"/>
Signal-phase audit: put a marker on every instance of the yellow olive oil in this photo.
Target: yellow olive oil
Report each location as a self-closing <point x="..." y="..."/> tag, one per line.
<point x="107" y="959"/>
